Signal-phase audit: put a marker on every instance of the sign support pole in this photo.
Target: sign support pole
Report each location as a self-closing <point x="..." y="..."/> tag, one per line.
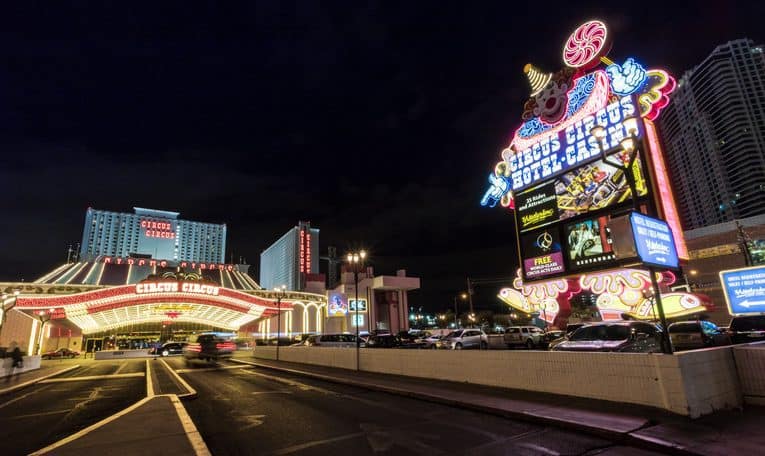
<point x="666" y="345"/>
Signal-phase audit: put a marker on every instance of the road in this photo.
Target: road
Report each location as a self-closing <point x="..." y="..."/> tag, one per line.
<point x="243" y="410"/>
<point x="49" y="411"/>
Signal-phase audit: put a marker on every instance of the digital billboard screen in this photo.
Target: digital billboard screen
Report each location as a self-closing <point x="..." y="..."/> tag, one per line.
<point x="588" y="243"/>
<point x="542" y="254"/>
<point x="337" y="304"/>
<point x="590" y="188"/>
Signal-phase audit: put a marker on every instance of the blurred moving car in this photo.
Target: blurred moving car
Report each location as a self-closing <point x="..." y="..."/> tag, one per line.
<point x="550" y="337"/>
<point x="169" y="349"/>
<point x="686" y="335"/>
<point x="749" y="328"/>
<point x="209" y="347"/>
<point x="464" y="338"/>
<point x="528" y="336"/>
<point x="570" y="329"/>
<point x="61" y="353"/>
<point x="614" y="336"/>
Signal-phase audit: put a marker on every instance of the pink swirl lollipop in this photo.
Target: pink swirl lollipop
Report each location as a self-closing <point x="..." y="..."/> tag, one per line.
<point x="585" y="45"/>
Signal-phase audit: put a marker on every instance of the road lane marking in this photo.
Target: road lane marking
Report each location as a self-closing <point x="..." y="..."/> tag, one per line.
<point x="195" y="438"/>
<point x="303" y="446"/>
<point x="539" y="449"/>
<point x="122" y="366"/>
<point x="36" y="380"/>
<point x="292" y="383"/>
<point x="92" y="377"/>
<point x="191" y="391"/>
<point x="5" y="404"/>
<point x="149" y="384"/>
<point x="208" y="369"/>
<point x="271" y="392"/>
<point x="32" y="415"/>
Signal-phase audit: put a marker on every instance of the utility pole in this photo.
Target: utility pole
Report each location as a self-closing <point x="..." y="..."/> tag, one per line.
<point x="470" y="294"/>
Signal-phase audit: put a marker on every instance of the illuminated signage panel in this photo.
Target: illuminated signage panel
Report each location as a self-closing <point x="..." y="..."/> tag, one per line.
<point x="175" y="287"/>
<point x="574" y="145"/>
<point x="653" y="241"/>
<point x="589" y="243"/>
<point x="337" y="304"/>
<point x="542" y="254"/>
<point x="537" y="207"/>
<point x="744" y="290"/>
<point x="362" y="305"/>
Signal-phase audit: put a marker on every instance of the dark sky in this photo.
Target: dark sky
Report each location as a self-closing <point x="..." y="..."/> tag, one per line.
<point x="377" y="121"/>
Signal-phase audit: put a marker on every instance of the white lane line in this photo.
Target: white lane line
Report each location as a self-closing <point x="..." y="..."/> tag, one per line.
<point x="5" y="404"/>
<point x="33" y="381"/>
<point x="292" y="383"/>
<point x="200" y="448"/>
<point x="191" y="391"/>
<point x="303" y="446"/>
<point x="149" y="384"/>
<point x="93" y="377"/>
<point x="539" y="449"/>
<point x="31" y="415"/>
<point x="208" y="369"/>
<point x="122" y="366"/>
<point x="90" y="428"/>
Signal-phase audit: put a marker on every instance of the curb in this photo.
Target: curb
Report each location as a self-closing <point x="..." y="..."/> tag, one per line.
<point x="191" y="394"/>
<point x="626" y="438"/>
<point x="37" y="380"/>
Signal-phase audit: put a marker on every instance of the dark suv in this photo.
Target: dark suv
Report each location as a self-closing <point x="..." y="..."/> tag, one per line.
<point x="209" y="347"/>
<point x="750" y="328"/>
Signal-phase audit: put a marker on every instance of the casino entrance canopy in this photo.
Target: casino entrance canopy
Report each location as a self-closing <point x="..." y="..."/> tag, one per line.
<point x="161" y="301"/>
<point x="112" y="293"/>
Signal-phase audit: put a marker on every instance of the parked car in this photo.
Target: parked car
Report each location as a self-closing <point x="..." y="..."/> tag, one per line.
<point x="209" y="347"/>
<point x="686" y="335"/>
<point x="61" y="353"/>
<point x="464" y="338"/>
<point x="614" y="336"/>
<point x="331" y="340"/>
<point x="528" y="336"/>
<point x="750" y="328"/>
<point x="429" y="340"/>
<point x="169" y="349"/>
<point x="550" y="337"/>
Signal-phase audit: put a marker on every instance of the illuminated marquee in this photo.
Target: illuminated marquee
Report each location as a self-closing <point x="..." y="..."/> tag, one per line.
<point x="305" y="251"/>
<point x="164" y="263"/>
<point x="573" y="145"/>
<point x="154" y="229"/>
<point x="174" y="287"/>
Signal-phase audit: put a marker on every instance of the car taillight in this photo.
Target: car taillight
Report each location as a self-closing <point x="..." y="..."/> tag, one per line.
<point x="194" y="347"/>
<point x="225" y="346"/>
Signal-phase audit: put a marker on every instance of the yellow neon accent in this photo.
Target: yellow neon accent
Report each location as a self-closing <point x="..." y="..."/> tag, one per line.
<point x="537" y="79"/>
<point x="606" y="60"/>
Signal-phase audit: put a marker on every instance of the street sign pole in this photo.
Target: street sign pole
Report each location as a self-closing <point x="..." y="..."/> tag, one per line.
<point x="666" y="345"/>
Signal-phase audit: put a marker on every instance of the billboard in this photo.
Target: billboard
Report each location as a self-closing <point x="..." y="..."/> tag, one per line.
<point x="362" y="305"/>
<point x="588" y="243"/>
<point x="590" y="188"/>
<point x="337" y="304"/>
<point x="744" y="290"/>
<point x="543" y="254"/>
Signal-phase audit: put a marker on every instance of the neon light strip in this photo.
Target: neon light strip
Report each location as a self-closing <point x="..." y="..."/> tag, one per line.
<point x="127" y="278"/>
<point x="56" y="271"/>
<point x="666" y="200"/>
<point x="89" y="274"/>
<point x="76" y="273"/>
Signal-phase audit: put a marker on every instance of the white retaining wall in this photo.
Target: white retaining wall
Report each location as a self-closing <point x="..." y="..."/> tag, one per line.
<point x="750" y="362"/>
<point x="30" y="363"/>
<point x="691" y="383"/>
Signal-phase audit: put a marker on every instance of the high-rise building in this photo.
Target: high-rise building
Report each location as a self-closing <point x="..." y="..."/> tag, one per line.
<point x="151" y="233"/>
<point x="714" y="133"/>
<point x="290" y="259"/>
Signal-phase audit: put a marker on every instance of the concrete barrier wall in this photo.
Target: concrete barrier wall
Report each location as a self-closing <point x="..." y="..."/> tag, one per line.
<point x="690" y="383"/>
<point x="30" y="363"/>
<point x="750" y="363"/>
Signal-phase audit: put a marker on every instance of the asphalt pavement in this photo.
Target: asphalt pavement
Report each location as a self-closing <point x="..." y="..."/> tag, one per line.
<point x="245" y="410"/>
<point x="38" y="415"/>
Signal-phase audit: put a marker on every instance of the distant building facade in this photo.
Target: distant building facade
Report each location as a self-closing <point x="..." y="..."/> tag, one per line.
<point x="292" y="259"/>
<point x="151" y="233"/>
<point x="714" y="134"/>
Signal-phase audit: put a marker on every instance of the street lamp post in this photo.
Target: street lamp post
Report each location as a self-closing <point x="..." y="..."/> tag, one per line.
<point x="461" y="296"/>
<point x="356" y="260"/>
<point x="280" y="292"/>
<point x="44" y="316"/>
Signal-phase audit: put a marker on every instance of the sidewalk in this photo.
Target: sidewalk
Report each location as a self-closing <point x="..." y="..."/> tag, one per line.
<point x="729" y="432"/>
<point x="156" y="425"/>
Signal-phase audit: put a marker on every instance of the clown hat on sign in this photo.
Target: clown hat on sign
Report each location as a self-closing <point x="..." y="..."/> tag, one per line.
<point x="537" y="78"/>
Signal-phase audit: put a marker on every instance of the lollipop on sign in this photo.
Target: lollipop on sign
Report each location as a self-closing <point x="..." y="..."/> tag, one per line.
<point x="587" y="46"/>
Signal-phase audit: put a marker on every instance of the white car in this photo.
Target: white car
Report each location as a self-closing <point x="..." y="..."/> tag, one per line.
<point x="464" y="338"/>
<point x="523" y="336"/>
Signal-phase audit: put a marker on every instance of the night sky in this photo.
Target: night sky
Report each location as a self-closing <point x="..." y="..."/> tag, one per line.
<point x="376" y="121"/>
